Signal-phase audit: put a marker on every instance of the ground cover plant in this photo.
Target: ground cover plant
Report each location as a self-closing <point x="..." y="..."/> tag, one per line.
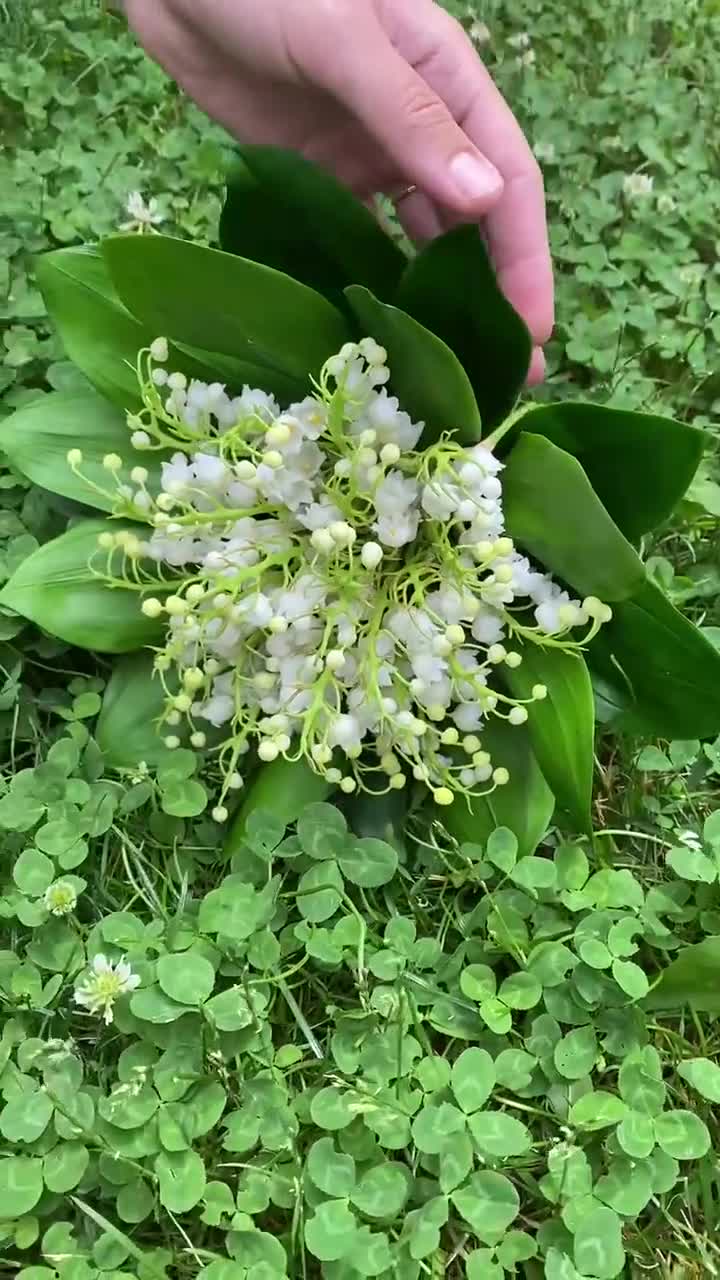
<point x="337" y="1040"/>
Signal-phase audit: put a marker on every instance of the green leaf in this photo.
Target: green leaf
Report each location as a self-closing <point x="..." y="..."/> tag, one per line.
<point x="283" y="788"/>
<point x="368" y="862"/>
<point x="636" y="1135"/>
<point x="434" y="1124"/>
<point x="26" y="1116"/>
<point x="382" y="1190"/>
<point x="186" y="976"/>
<point x="659" y="458"/>
<point x="562" y="726"/>
<point x="597" y="1110"/>
<point x="630" y="978"/>
<point x="56" y="589"/>
<point x="450" y="287"/>
<point x="330" y="1232"/>
<point x="181" y="1175"/>
<point x="22" y="1183"/>
<point x="553" y="513"/>
<point x="127" y="727"/>
<point x="575" y="1054"/>
<point x="64" y="1166"/>
<point x="525" y="805"/>
<point x="152" y="1005"/>
<point x="682" y="1135"/>
<point x="103" y="339"/>
<point x="33" y="872"/>
<point x="489" y="1203"/>
<point x="473" y="1079"/>
<point x="206" y="298"/>
<point x="703" y="1076"/>
<point x="598" y="1249"/>
<point x="332" y="1171"/>
<point x="498" y="1134"/>
<point x="37" y="438"/>
<point x="670" y="670"/>
<point x="425" y="375"/>
<point x="283" y="211"/>
<point x="692" y="979"/>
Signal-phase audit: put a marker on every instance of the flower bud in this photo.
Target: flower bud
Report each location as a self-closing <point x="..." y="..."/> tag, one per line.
<point x="450" y="737"/>
<point x="455" y="634"/>
<point x="342" y="468"/>
<point x="198" y="740"/>
<point x="371" y="555"/>
<point x="112" y="462"/>
<point x="342" y="533"/>
<point x="334" y="776"/>
<point x="278" y="624"/>
<point x="471" y="744"/>
<point x="106" y="541"/>
<point x="539" y="692"/>
<point x="183" y="702"/>
<point x="268" y="751"/>
<point x="323" y="541"/>
<point x="397" y="781"/>
<point x="75" y="457"/>
<point x="513" y="660"/>
<point x="220" y="813"/>
<point x="389" y="454"/>
<point x="348" y="785"/>
<point x="518" y="715"/>
<point x="504" y="547"/>
<point x="496" y="653"/>
<point x="159" y="350"/>
<point x="172" y="742"/>
<point x="175" y="606"/>
<point x="273" y="459"/>
<point x="500" y="777"/>
<point x="504" y="574"/>
<point x="246" y="471"/>
<point x="177" y="382"/>
<point x="151" y="607"/>
<point x="443" y="796"/>
<point x="335" y="660"/>
<point x="195" y="593"/>
<point x="140" y="440"/>
<point x="139" y="475"/>
<point x="367" y="457"/>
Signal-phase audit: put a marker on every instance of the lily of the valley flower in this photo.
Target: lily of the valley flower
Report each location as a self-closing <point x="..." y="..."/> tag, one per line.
<point x="106" y="981"/>
<point x="341" y="595"/>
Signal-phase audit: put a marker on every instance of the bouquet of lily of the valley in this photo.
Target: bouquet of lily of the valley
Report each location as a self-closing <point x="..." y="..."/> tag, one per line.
<point x="346" y="560"/>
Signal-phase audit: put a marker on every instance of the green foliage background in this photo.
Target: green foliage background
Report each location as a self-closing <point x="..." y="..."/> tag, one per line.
<point x="298" y="1072"/>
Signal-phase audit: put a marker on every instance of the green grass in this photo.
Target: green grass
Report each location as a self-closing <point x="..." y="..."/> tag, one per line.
<point x="374" y="968"/>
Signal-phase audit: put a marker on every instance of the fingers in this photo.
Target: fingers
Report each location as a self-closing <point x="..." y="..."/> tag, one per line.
<point x="400" y="110"/>
<point x="515" y="224"/>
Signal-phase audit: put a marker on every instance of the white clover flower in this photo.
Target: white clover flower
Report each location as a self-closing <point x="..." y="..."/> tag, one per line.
<point x="521" y="40"/>
<point x="637" y="186"/>
<point x="526" y="59"/>
<point x="105" y="982"/>
<point x="143" y="216"/>
<point x="60" y="898"/>
<point x="544" y="152"/>
<point x="479" y="33"/>
<point x="343" y="595"/>
<point x="666" y="204"/>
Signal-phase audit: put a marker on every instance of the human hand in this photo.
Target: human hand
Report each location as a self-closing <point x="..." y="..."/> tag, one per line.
<point x="383" y="93"/>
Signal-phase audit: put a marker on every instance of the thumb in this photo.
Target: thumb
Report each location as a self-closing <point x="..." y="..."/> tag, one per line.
<point x="407" y="118"/>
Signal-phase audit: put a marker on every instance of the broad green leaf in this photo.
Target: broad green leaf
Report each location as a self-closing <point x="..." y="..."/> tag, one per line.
<point x="152" y="1005"/>
<point x="331" y="1170"/>
<point x="181" y="1175"/>
<point x="284" y="788"/>
<point x="425" y="375"/>
<point x="290" y="214"/>
<point x="330" y="1232"/>
<point x="703" y="1076"/>
<point x="127" y="727"/>
<point x="562" y="726"/>
<point x="630" y="978"/>
<point x="224" y="303"/>
<point x="21" y="1179"/>
<point x="103" y="338"/>
<point x="553" y="513"/>
<point x="56" y="589"/>
<point x="186" y="976"/>
<point x="450" y="287"/>
<point x="659" y="457"/>
<point x="498" y="1134"/>
<point x="382" y="1190"/>
<point x="682" y="1135"/>
<point x="368" y="862"/>
<point x="691" y="980"/>
<point x="473" y="1079"/>
<point x="489" y="1203"/>
<point x="636" y="1134"/>
<point x="37" y="438"/>
<point x="434" y="1124"/>
<point x="576" y="1053"/>
<point x="525" y="805"/>
<point x="597" y="1110"/>
<point x="598" y="1249"/>
<point x="26" y="1116"/>
<point x="64" y="1166"/>
<point x="670" y="671"/>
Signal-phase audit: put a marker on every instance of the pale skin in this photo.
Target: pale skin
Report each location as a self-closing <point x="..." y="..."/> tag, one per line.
<point x="383" y="93"/>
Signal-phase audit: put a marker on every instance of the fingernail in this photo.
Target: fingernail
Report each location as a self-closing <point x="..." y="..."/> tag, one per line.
<point x="474" y="177"/>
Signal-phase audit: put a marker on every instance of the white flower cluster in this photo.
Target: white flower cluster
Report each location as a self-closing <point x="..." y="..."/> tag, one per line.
<point x="338" y="594"/>
<point x="104" y="983"/>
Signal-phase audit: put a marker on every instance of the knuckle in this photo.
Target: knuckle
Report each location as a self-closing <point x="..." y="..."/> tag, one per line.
<point x="422" y="110"/>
